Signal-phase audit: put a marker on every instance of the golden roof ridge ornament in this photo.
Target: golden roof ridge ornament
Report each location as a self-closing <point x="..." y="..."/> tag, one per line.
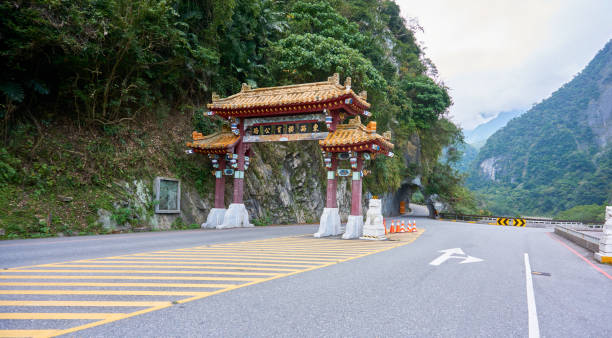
<point x="347" y="83"/>
<point x="334" y="79"/>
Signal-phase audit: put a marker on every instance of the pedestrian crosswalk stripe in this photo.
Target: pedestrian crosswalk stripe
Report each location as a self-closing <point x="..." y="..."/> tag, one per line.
<point x="183" y="275"/>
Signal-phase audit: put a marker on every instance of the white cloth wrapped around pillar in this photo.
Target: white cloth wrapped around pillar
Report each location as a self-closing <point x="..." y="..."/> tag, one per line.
<point x="374" y="228"/>
<point x="354" y="227"/>
<point x="330" y="223"/>
<point x="215" y="218"/>
<point x="236" y="216"/>
<point x="605" y="243"/>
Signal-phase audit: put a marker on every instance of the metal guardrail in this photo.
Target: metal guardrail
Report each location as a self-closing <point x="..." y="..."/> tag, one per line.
<point x="583" y="225"/>
<point x="586" y="237"/>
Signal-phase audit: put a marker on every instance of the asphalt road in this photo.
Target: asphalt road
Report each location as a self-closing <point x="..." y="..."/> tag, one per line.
<point x="396" y="292"/>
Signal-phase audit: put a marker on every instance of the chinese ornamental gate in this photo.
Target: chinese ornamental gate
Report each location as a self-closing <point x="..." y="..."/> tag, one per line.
<point x="310" y="111"/>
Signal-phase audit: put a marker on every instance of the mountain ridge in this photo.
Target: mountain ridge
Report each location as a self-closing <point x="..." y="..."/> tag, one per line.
<point x="478" y="136"/>
<point x="558" y="154"/>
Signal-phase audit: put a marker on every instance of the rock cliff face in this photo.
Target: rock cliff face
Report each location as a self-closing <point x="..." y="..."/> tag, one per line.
<point x="284" y="184"/>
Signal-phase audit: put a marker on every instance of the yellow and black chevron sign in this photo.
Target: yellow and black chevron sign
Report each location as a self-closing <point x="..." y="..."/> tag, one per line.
<point x="502" y="221"/>
<point x="519" y="222"/>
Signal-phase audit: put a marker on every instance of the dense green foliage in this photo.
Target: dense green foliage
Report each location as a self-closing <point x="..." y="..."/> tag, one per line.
<point x="551" y="159"/>
<point x="583" y="213"/>
<point x="109" y="67"/>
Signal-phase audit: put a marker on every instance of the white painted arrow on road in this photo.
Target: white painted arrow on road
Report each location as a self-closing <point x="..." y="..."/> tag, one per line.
<point x="450" y="253"/>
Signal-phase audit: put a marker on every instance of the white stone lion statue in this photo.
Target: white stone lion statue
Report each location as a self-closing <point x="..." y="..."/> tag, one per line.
<point x="373" y="226"/>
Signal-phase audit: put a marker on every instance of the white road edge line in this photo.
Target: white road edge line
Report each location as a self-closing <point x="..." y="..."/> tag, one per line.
<point x="534" y="328"/>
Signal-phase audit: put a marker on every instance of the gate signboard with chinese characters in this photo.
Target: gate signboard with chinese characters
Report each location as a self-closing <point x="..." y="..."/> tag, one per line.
<point x="302" y="112"/>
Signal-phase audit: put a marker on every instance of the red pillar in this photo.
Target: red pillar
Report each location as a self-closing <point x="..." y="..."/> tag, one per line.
<point x="332" y="183"/>
<point x="220" y="184"/>
<point x="239" y="173"/>
<point x="356" y="188"/>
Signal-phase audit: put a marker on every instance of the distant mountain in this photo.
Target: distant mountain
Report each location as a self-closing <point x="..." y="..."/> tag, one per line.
<point x="479" y="135"/>
<point x="558" y="154"/>
<point x="469" y="154"/>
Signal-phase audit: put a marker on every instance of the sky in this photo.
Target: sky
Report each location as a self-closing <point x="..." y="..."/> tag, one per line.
<point x="501" y="55"/>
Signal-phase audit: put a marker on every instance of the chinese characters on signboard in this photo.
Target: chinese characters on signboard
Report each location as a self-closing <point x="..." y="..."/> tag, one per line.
<point x="291" y="128"/>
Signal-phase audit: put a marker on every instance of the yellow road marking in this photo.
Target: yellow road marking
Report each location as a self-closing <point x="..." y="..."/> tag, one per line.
<point x="125" y="277"/>
<point x="28" y="333"/>
<point x="183" y="260"/>
<point x="272" y="253"/>
<point x="200" y="258"/>
<point x="103" y="292"/>
<point x="228" y="263"/>
<point x="245" y="255"/>
<point x="77" y="303"/>
<point x="304" y="249"/>
<point x="237" y="253"/>
<point x="266" y="259"/>
<point x="59" y="315"/>
<point x="167" y="266"/>
<point x="249" y="254"/>
<point x="164" y="285"/>
<point x="189" y="272"/>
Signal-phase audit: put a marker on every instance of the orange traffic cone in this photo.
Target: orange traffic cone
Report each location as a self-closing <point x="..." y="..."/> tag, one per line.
<point x="392" y="229"/>
<point x="414" y="229"/>
<point x="403" y="228"/>
<point x="385" y="226"/>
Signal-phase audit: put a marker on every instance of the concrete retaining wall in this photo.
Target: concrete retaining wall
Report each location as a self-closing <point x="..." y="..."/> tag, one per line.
<point x="588" y="242"/>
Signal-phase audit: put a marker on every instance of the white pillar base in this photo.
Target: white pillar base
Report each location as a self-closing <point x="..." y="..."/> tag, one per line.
<point x="373" y="227"/>
<point x="214" y="219"/>
<point x="330" y="224"/>
<point x="236" y="216"/>
<point x="605" y="249"/>
<point x="603" y="257"/>
<point x="354" y="227"/>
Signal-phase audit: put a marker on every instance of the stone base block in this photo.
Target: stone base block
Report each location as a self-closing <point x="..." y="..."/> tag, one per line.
<point x="236" y="216"/>
<point x="603" y="257"/>
<point x="373" y="227"/>
<point x="215" y="218"/>
<point x="330" y="224"/>
<point x="605" y="245"/>
<point x="374" y="231"/>
<point x="372" y="238"/>
<point x="354" y="227"/>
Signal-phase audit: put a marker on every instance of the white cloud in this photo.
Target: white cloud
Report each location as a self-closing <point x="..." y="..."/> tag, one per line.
<point x="499" y="55"/>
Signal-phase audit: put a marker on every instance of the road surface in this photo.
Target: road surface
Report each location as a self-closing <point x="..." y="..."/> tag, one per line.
<point x="273" y="281"/>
